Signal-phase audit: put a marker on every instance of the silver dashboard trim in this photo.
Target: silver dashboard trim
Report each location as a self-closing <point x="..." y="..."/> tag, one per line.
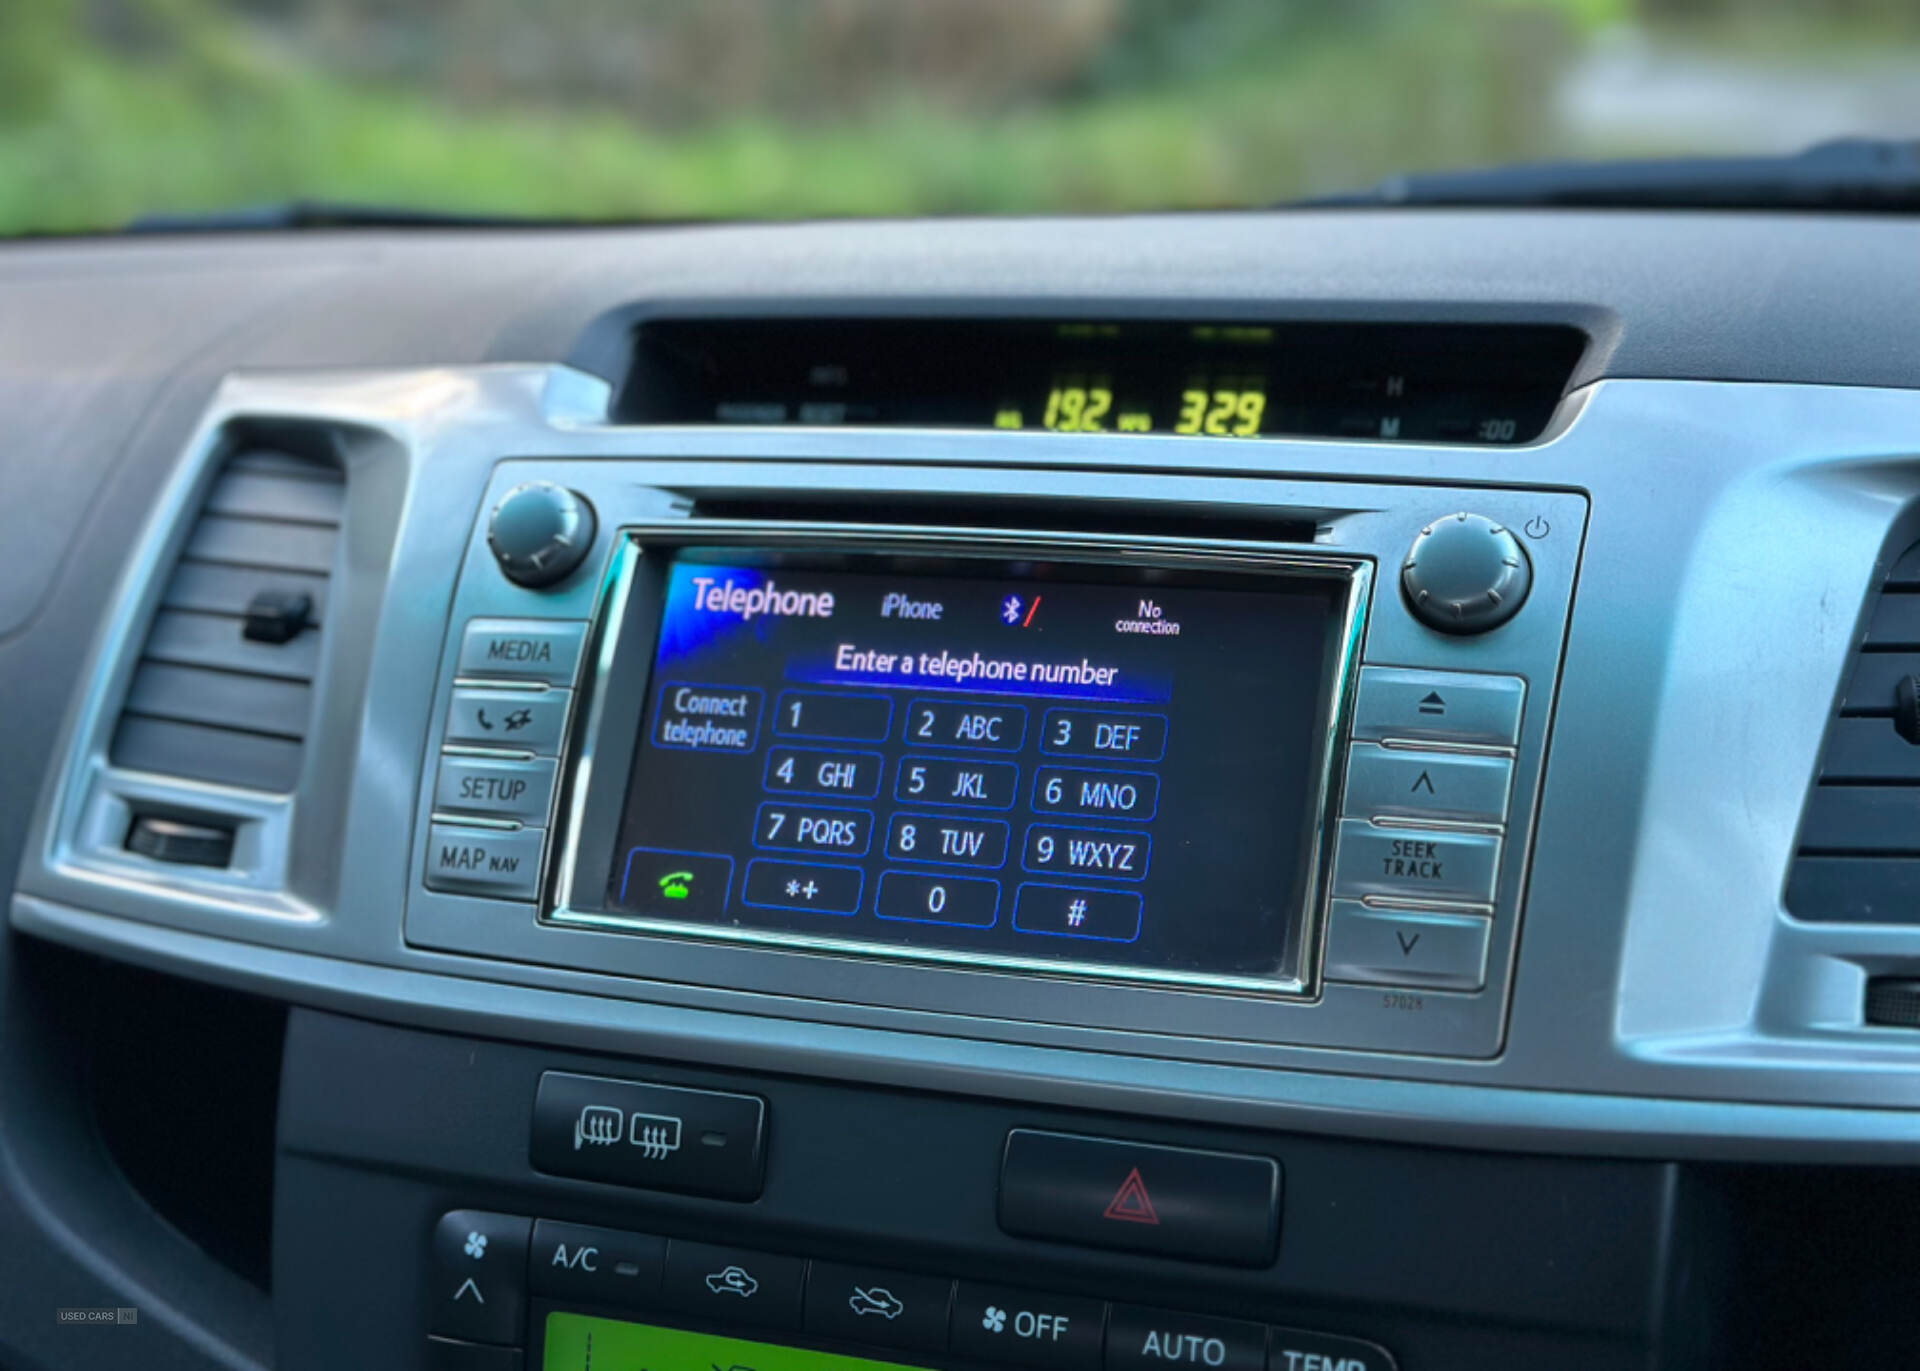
<point x="1664" y="832"/>
<point x="1295" y="979"/>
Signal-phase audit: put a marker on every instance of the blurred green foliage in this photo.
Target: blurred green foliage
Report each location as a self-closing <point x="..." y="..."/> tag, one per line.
<point x="111" y="109"/>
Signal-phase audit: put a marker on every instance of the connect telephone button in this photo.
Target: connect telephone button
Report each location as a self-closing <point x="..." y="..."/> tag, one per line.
<point x="1441" y="706"/>
<point x="1463" y="786"/>
<point x="994" y="1323"/>
<point x="495" y="789"/>
<point x="478" y="1281"/>
<point x="1407" y="947"/>
<point x="502" y="864"/>
<point x="523" y="649"/>
<point x="1428" y="864"/>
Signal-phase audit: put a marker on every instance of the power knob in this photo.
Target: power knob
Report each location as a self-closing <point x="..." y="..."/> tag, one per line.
<point x="540" y="532"/>
<point x="1465" y="574"/>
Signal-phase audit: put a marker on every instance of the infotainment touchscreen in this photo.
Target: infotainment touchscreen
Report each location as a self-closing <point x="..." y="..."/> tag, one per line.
<point x="1063" y="768"/>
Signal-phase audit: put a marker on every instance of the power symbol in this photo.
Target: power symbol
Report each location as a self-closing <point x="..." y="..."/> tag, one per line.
<point x="1537" y="527"/>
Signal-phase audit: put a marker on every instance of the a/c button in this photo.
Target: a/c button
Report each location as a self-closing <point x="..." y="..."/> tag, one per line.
<point x="995" y="1323"/>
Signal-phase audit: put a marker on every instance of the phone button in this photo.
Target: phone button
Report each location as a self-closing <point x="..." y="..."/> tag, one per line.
<point x="663" y="883"/>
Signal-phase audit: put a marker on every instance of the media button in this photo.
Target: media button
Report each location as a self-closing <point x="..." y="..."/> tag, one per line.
<point x="525" y="649"/>
<point x="887" y="1308"/>
<point x="808" y="771"/>
<point x="732" y="1285"/>
<point x="997" y="1324"/>
<point x="1145" y="1339"/>
<point x="1058" y="911"/>
<point x="948" y="841"/>
<point x="1091" y="733"/>
<point x="676" y="885"/>
<point x="948" y="781"/>
<point x="844" y="718"/>
<point x="810" y="886"/>
<point x="784" y="827"/>
<point x="571" y="1261"/>
<point x="961" y="723"/>
<point x="1432" y="864"/>
<point x="707" y="718"/>
<point x="1111" y="854"/>
<point x="910" y="897"/>
<point x="1096" y="794"/>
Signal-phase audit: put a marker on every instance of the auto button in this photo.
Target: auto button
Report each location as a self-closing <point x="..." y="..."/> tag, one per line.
<point x="1149" y="1339"/>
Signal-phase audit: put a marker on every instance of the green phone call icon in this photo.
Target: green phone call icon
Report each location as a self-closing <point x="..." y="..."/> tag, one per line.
<point x="677" y="885"/>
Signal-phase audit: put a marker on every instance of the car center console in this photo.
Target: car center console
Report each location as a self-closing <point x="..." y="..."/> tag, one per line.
<point x="972" y="842"/>
<point x="1123" y="781"/>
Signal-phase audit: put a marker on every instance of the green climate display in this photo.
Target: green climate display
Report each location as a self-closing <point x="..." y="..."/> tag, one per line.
<point x="576" y="1342"/>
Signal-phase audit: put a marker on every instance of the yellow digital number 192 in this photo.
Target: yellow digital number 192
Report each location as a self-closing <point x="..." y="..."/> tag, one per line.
<point x="1077" y="409"/>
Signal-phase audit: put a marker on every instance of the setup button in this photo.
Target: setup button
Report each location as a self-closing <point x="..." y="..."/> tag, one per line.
<point x="998" y="1324"/>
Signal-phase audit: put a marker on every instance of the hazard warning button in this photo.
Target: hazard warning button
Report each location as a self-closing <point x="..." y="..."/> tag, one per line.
<point x="1170" y="1201"/>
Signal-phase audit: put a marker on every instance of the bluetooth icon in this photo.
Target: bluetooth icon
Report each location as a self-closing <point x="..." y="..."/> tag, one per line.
<point x="1010" y="611"/>
<point x="1076" y="913"/>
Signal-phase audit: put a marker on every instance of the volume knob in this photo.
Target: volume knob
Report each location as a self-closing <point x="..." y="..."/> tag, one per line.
<point x="540" y="532"/>
<point x="1465" y="574"/>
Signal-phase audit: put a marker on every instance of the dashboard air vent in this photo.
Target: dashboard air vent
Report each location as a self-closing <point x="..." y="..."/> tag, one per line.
<point x="1859" y="855"/>
<point x="224" y="687"/>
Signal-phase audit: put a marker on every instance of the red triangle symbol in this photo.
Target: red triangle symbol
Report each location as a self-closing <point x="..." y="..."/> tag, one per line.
<point x="1131" y="1203"/>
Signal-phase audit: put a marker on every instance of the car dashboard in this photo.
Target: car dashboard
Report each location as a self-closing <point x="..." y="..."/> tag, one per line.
<point x="1296" y="791"/>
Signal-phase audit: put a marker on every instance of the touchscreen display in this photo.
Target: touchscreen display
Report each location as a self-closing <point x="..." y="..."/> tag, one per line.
<point x="1112" y="774"/>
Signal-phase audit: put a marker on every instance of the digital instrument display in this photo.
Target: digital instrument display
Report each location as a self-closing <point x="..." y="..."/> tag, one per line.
<point x="579" y="1342"/>
<point x="1075" y="768"/>
<point x="1428" y="383"/>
